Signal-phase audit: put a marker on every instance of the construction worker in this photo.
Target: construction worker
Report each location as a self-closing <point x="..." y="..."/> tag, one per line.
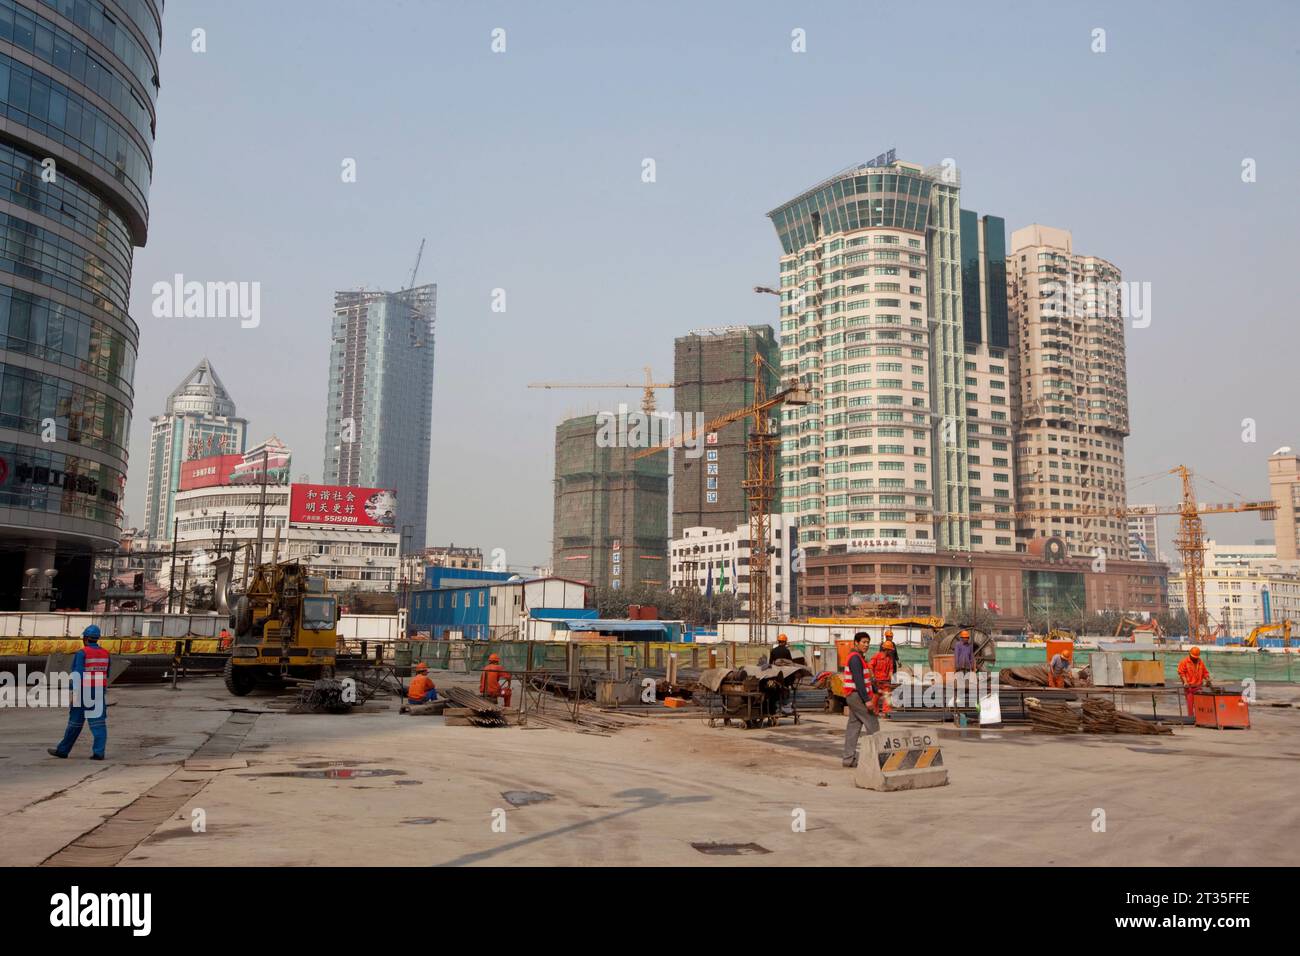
<point x="781" y="652"/>
<point x="422" y="689"/>
<point x="882" y="666"/>
<point x="963" y="652"/>
<point x="858" y="694"/>
<point x="224" y="640"/>
<point x="1057" y="670"/>
<point x="1193" y="673"/>
<point x="494" y="682"/>
<point x="90" y="697"/>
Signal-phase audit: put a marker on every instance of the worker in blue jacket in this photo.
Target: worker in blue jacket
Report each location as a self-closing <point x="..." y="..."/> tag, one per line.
<point x="89" y="699"/>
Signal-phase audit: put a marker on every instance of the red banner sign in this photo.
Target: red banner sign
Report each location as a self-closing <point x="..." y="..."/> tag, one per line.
<point x="208" y="472"/>
<point x="341" y="505"/>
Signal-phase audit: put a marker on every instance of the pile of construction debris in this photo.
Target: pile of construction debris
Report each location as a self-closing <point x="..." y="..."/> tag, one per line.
<point x="1094" y="716"/>
<point x="467" y="709"/>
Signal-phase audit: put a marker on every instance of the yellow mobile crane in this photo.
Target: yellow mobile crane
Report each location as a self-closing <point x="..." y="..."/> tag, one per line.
<point x="285" y="629"/>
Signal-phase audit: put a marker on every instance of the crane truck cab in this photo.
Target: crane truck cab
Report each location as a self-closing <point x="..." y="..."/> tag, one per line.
<point x="285" y="629"/>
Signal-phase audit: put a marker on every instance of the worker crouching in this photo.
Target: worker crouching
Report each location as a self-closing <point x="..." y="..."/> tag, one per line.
<point x="422" y="689"/>
<point x="494" y="682"/>
<point x="1057" y="670"/>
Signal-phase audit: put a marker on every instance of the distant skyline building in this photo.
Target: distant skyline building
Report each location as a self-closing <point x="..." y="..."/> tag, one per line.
<point x="379" y="400"/>
<point x="1073" y="391"/>
<point x="200" y="421"/>
<point x="713" y="373"/>
<point x="78" y="87"/>
<point x="611" y="510"/>
<point x="1284" y="488"/>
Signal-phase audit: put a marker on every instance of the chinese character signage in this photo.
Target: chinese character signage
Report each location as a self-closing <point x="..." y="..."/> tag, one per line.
<point x="339" y="505"/>
<point x="208" y="472"/>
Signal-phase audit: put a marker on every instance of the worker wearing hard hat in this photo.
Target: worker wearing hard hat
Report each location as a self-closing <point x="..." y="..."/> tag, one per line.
<point x="858" y="697"/>
<point x="1057" y="670"/>
<point x="1193" y="673"/>
<point x="882" y="672"/>
<point x="422" y="689"/>
<point x="963" y="652"/>
<point x="89" y="697"/>
<point x="494" y="682"/>
<point x="781" y="653"/>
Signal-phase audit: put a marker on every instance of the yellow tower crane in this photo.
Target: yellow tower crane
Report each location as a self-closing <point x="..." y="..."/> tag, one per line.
<point x="647" y="398"/>
<point x="760" y="479"/>
<point x="1190" y="540"/>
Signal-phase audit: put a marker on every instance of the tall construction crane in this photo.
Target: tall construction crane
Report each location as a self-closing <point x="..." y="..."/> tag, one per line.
<point x="410" y="283"/>
<point x="1190" y="540"/>
<point x="760" y="479"/>
<point x="647" y="398"/>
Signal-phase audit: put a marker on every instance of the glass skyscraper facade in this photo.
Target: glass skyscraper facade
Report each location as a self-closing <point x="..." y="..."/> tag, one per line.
<point x="78" y="85"/>
<point x="379" y="404"/>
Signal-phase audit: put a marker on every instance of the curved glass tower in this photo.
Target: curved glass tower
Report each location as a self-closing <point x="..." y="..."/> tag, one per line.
<point x="78" y="85"/>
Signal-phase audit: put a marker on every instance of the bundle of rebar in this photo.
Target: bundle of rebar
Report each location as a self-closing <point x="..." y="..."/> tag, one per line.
<point x="1101" y="717"/>
<point x="472" y="709"/>
<point x="1052" y="718"/>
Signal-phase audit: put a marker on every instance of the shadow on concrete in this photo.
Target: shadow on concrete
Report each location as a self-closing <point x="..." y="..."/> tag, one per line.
<point x="646" y="799"/>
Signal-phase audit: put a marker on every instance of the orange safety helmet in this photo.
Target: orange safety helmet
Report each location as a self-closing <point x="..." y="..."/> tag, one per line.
<point x="782" y="639"/>
<point x="493" y="659"/>
<point x="421" y="668"/>
<point x="1195" y="652"/>
<point x="964" y="633"/>
<point x="888" y="633"/>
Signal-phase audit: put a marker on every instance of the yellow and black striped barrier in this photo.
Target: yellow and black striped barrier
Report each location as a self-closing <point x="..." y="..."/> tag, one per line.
<point x="44" y="646"/>
<point x="895" y="761"/>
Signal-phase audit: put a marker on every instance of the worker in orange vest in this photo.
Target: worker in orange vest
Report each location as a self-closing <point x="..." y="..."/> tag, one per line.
<point x="858" y="694"/>
<point x="422" y="689"/>
<point x="1057" y="669"/>
<point x="1193" y="673"/>
<point x="494" y="682"/>
<point x="882" y="672"/>
<point x="225" y="640"/>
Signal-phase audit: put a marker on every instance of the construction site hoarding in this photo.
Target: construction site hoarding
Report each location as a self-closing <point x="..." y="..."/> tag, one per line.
<point x="342" y="505"/>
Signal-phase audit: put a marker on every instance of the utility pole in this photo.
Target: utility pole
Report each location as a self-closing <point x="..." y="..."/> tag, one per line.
<point x="221" y="534"/>
<point x="171" y="580"/>
<point x="261" y="509"/>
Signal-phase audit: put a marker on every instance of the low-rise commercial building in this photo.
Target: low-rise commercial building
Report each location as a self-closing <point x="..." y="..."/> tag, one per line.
<point x="704" y="555"/>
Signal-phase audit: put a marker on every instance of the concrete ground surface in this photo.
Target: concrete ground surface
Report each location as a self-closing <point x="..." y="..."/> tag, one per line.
<point x="274" y="788"/>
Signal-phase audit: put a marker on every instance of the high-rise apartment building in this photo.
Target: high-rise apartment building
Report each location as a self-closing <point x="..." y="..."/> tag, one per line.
<point x="872" y="324"/>
<point x="200" y="422"/>
<point x="611" y="510"/>
<point x="1284" y="488"/>
<point x="1073" y="392"/>
<point x="78" y="86"/>
<point x="990" y="377"/>
<point x="1143" y="537"/>
<point x="713" y="373"/>
<point x="379" y="403"/>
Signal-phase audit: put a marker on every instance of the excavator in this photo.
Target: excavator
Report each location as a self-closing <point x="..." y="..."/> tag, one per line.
<point x="1252" y="639"/>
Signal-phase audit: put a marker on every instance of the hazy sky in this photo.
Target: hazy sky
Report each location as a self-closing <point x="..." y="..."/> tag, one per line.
<point x="523" y="171"/>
